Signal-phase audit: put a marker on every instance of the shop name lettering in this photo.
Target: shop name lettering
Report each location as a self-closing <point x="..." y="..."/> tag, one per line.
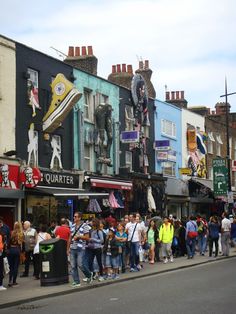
<point x="58" y="178"/>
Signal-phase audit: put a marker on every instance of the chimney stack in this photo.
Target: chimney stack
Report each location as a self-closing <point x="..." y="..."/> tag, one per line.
<point x="130" y="69"/>
<point x="182" y="95"/>
<point x="113" y="69"/>
<point x="122" y="74"/>
<point x="123" y="67"/>
<point x="118" y="68"/>
<point x="82" y="58"/>
<point x="146" y="73"/>
<point x="172" y="95"/>
<point x="167" y="96"/>
<point x="71" y="51"/>
<point x="140" y="65"/>
<point x="177" y="95"/>
<point x="146" y="64"/>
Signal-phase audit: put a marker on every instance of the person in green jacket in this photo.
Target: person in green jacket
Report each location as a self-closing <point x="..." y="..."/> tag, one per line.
<point x="166" y="235"/>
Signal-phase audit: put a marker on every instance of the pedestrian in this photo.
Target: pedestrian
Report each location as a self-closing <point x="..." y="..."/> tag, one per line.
<point x="152" y="236"/>
<point x="166" y="235"/>
<point x="94" y="247"/>
<point x="214" y="229"/>
<point x="233" y="232"/>
<point x="191" y="236"/>
<point x="79" y="236"/>
<point x="42" y="235"/>
<point x="133" y="229"/>
<point x="2" y="244"/>
<point x="14" y="250"/>
<point x="121" y="238"/>
<point x="158" y="220"/>
<point x="225" y="234"/>
<point x="5" y="230"/>
<point x="63" y="232"/>
<point x="30" y="236"/>
<point x="182" y="240"/>
<point x="111" y="252"/>
<point x="52" y="228"/>
<point x="202" y="234"/>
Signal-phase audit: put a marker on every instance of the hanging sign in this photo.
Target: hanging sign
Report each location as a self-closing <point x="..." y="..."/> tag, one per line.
<point x="129" y="137"/>
<point x="220" y="176"/>
<point x="30" y="177"/>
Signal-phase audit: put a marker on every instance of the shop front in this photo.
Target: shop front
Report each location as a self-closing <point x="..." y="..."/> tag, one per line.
<point x="10" y="192"/>
<point x="177" y="198"/>
<point x="115" y="201"/>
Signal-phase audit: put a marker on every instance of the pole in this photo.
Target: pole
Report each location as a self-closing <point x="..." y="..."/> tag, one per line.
<point x="227" y="137"/>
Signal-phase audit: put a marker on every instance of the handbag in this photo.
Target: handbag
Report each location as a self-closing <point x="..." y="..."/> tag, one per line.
<point x="6" y="267"/>
<point x="192" y="234"/>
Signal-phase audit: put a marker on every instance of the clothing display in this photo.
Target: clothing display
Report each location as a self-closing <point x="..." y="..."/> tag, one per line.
<point x="151" y="201"/>
<point x="93" y="206"/>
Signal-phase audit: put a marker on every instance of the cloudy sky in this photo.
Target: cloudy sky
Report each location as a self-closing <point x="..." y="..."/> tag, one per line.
<point x="190" y="44"/>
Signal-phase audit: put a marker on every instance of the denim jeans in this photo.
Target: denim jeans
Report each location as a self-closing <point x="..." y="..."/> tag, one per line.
<point x="90" y="254"/>
<point x="134" y="254"/>
<point x="190" y="244"/>
<point x="202" y="241"/>
<point x="122" y="258"/>
<point x="77" y="257"/>
<point x="14" y="261"/>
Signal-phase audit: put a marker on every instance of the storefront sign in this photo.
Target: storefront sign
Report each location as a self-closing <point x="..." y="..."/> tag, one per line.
<point x="162" y="145"/>
<point x="220" y="176"/>
<point x="9" y="176"/>
<point x="30" y="177"/>
<point x="58" y="179"/>
<point x="162" y="155"/>
<point x="129" y="137"/>
<point x="171" y="155"/>
<point x="186" y="171"/>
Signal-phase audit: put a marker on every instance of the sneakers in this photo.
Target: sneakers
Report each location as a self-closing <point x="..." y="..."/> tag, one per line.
<point x="165" y="260"/>
<point x="64" y="97"/>
<point x="2" y="288"/>
<point x="171" y="259"/>
<point x="115" y="276"/>
<point x="75" y="284"/>
<point x="100" y="278"/>
<point x="132" y="270"/>
<point x="88" y="280"/>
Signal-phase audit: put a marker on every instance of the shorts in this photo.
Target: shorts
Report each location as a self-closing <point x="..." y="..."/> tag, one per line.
<point x="112" y="261"/>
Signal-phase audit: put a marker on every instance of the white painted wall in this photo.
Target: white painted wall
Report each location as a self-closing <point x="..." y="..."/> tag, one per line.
<point x="196" y="121"/>
<point x="7" y="95"/>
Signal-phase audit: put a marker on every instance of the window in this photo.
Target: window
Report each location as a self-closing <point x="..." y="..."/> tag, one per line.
<point x="87" y="157"/>
<point x="129" y="118"/>
<point x="218" y="145"/>
<point x="168" y="128"/>
<point x="33" y="77"/>
<point x="104" y="99"/>
<point x="33" y="153"/>
<point x="210" y="143"/>
<point x="129" y="159"/>
<point x="56" y="153"/>
<point x="88" y="105"/>
<point x="168" y="168"/>
<point x="234" y="157"/>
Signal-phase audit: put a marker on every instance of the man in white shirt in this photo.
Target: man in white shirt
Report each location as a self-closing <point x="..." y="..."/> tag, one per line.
<point x="133" y="229"/>
<point x="225" y="234"/>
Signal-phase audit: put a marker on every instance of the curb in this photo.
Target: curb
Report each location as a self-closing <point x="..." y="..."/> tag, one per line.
<point x="107" y="283"/>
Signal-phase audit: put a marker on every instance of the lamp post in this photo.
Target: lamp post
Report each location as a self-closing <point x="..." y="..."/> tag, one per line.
<point x="227" y="136"/>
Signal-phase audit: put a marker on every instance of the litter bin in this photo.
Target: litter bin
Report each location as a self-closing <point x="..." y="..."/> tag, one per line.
<point x="53" y="262"/>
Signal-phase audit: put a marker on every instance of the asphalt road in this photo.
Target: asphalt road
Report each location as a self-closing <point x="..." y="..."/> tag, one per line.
<point x="210" y="289"/>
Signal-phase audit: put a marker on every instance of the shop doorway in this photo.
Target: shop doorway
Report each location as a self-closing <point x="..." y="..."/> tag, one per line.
<point x="7" y="213"/>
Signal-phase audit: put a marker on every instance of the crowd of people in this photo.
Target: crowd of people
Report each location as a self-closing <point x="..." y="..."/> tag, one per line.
<point x="103" y="249"/>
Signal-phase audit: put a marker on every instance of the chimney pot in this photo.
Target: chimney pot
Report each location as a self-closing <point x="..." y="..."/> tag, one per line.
<point x="77" y="51"/>
<point x="123" y="67"/>
<point x="172" y="95"/>
<point x="71" y="51"/>
<point x="177" y="95"/>
<point x="146" y="64"/>
<point x="182" y="94"/>
<point x="118" y="68"/>
<point x="167" y="95"/>
<point x="84" y="52"/>
<point x="114" y="69"/>
<point x="129" y="69"/>
<point x="140" y="65"/>
<point x="90" y="50"/>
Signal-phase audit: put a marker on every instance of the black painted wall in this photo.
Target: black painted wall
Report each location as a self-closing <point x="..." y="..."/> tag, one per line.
<point x="47" y="68"/>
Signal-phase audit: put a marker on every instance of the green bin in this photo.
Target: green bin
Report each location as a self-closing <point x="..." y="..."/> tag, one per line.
<point x="53" y="262"/>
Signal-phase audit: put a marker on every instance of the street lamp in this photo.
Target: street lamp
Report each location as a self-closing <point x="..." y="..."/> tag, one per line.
<point x="227" y="137"/>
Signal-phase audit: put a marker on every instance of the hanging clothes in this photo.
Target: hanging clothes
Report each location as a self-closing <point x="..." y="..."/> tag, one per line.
<point x="150" y="199"/>
<point x="93" y="206"/>
<point x="119" y="198"/>
<point x="105" y="202"/>
<point x="113" y="201"/>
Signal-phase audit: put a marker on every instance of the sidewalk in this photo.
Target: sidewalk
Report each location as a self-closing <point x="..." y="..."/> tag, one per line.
<point x="30" y="290"/>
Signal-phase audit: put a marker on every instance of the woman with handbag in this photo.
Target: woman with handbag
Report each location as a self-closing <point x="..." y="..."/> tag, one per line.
<point x="15" y="247"/>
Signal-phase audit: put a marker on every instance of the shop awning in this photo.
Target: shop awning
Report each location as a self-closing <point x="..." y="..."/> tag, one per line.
<point x="72" y="193"/>
<point x="207" y="183"/>
<point x="11" y="193"/>
<point x="111" y="184"/>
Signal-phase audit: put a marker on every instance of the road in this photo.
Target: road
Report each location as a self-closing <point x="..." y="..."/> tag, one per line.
<point x="210" y="289"/>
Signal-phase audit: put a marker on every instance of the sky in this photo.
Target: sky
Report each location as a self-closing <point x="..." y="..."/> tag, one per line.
<point x="190" y="44"/>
